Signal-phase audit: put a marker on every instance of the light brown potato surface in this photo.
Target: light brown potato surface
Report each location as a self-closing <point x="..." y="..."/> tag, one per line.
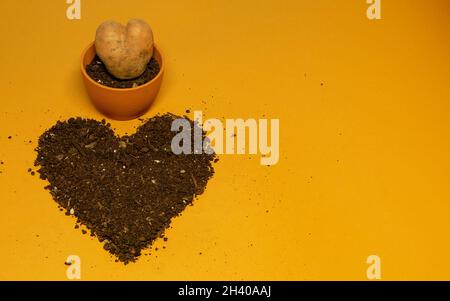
<point x="125" y="50"/>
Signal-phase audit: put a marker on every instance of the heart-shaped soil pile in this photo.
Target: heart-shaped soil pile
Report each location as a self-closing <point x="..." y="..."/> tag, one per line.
<point x="124" y="189"/>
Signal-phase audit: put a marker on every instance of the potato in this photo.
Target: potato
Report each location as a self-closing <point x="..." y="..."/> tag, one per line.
<point x="125" y="50"/>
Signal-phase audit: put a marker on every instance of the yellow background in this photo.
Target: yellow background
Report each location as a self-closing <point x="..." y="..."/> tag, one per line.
<point x="364" y="159"/>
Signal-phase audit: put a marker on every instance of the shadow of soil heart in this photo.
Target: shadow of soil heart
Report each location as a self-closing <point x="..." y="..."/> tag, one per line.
<point x="124" y="189"/>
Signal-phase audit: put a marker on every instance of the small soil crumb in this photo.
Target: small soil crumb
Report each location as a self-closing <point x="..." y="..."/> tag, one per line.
<point x="98" y="72"/>
<point x="125" y="190"/>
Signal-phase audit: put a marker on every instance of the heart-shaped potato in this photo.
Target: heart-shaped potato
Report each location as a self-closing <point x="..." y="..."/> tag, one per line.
<point x="125" y="50"/>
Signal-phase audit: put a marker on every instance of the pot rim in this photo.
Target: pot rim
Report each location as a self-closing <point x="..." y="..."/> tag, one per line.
<point x="83" y="71"/>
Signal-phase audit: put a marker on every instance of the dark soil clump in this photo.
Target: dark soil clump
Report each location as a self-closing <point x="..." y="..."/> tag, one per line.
<point x="124" y="189"/>
<point x="98" y="72"/>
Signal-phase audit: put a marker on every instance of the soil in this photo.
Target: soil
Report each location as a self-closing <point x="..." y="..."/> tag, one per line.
<point x="98" y="72"/>
<point x="124" y="189"/>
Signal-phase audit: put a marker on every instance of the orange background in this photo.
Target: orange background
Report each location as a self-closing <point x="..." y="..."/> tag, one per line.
<point x="364" y="159"/>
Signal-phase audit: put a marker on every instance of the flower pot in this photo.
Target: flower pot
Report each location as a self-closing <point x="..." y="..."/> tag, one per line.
<point x="117" y="103"/>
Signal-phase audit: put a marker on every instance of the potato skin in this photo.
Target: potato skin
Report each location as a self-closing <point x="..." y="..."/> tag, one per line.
<point x="125" y="50"/>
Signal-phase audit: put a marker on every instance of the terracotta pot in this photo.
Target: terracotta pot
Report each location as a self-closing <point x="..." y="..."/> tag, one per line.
<point x="121" y="104"/>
